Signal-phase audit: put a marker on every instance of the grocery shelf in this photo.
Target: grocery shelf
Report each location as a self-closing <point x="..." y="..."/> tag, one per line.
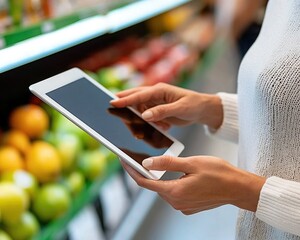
<point x="140" y="11"/>
<point x="50" y="43"/>
<point x="56" y="229"/>
<point x="19" y="34"/>
<point x="81" y="31"/>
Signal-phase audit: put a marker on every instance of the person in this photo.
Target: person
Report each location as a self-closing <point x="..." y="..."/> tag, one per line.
<point x="263" y="118"/>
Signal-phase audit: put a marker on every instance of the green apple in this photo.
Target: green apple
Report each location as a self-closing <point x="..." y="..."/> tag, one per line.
<point x="25" y="229"/>
<point x="4" y="235"/>
<point x="60" y="124"/>
<point x="51" y="202"/>
<point x="74" y="182"/>
<point x="63" y="125"/>
<point x="22" y="179"/>
<point x="68" y="146"/>
<point x="89" y="142"/>
<point x="92" y="164"/>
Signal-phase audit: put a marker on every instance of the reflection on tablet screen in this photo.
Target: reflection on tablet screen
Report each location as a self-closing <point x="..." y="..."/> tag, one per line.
<point x="120" y="126"/>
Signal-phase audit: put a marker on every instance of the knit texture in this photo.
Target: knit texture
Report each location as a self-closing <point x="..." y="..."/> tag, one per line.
<point x="268" y="110"/>
<point x="230" y="127"/>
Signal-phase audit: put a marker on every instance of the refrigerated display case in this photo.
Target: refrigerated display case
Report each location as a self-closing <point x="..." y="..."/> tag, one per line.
<point x="82" y="43"/>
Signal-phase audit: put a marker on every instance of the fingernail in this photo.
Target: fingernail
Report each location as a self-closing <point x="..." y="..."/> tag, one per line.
<point x="147" y="115"/>
<point x="147" y="162"/>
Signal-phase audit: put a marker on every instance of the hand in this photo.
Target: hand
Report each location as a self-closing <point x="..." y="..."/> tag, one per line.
<point x="140" y="129"/>
<point x="209" y="182"/>
<point x="167" y="105"/>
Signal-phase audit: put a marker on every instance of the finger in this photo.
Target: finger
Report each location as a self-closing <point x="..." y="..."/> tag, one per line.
<point x="161" y="112"/>
<point x="129" y="91"/>
<point x="159" y="186"/>
<point x="163" y="125"/>
<point x="132" y="98"/>
<point x="153" y="185"/>
<point x="168" y="163"/>
<point x="177" y="121"/>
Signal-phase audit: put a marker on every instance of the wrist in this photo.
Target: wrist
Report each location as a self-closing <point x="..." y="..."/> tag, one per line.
<point x="247" y="190"/>
<point x="212" y="111"/>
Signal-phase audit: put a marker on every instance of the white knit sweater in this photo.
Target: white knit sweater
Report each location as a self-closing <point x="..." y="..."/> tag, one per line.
<point x="264" y="118"/>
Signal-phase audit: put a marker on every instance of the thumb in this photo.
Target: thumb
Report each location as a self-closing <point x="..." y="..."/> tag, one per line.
<point x="161" y="112"/>
<point x="167" y="163"/>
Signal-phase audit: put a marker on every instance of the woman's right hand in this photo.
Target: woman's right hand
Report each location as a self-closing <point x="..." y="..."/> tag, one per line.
<point x="168" y="105"/>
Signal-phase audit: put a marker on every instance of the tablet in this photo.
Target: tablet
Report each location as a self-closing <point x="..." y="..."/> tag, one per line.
<point x="122" y="130"/>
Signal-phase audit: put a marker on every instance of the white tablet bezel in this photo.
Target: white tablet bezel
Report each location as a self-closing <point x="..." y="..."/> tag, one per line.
<point x="41" y="89"/>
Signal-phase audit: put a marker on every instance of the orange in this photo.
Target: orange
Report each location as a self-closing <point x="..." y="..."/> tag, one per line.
<point x="43" y="161"/>
<point x="17" y="139"/>
<point x="10" y="159"/>
<point x="30" y="119"/>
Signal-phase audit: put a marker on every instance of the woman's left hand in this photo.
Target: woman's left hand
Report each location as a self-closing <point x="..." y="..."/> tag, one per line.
<point x="208" y="182"/>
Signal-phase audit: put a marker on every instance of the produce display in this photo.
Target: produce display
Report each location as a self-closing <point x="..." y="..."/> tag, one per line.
<point x="140" y="61"/>
<point x="45" y="161"/>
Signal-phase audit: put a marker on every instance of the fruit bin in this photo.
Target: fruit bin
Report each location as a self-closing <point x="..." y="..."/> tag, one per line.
<point x="56" y="229"/>
<point x="14" y="92"/>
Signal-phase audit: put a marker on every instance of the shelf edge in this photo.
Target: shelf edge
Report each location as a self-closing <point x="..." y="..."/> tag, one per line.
<point x="44" y="45"/>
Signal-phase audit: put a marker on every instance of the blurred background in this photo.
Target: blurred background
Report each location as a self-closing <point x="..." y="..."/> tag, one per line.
<point x="57" y="182"/>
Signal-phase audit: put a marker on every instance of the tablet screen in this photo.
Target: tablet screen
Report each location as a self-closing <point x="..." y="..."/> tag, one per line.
<point x="120" y="126"/>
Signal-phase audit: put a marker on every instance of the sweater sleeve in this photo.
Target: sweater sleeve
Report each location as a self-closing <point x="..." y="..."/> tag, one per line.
<point x="229" y="129"/>
<point x="279" y="204"/>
